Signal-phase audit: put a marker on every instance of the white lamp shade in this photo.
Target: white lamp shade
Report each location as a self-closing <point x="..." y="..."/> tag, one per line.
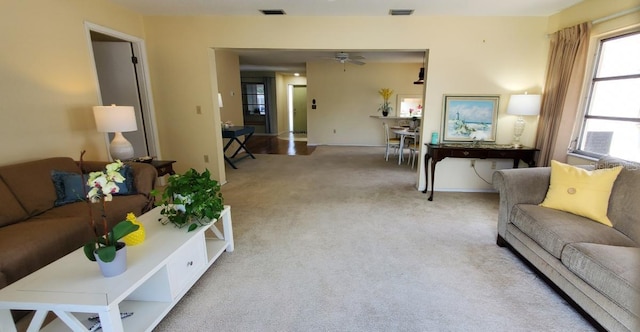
<point x="112" y="119"/>
<point x="524" y="104"/>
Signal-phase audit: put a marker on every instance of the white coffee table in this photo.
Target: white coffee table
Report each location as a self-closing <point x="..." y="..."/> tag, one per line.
<point x="159" y="272"/>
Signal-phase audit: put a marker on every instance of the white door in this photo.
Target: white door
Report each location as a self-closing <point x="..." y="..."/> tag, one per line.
<point x="119" y="85"/>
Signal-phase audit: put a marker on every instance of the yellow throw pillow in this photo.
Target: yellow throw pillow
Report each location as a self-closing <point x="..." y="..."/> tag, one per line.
<point x="582" y="192"/>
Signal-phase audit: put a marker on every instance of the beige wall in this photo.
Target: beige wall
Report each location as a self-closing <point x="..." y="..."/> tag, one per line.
<point x="47" y="79"/>
<point x="228" y="70"/>
<point x="589" y="10"/>
<point x="347" y="96"/>
<point x="480" y="55"/>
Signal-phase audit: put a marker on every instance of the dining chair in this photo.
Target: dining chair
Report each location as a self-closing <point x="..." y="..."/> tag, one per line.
<point x="414" y="146"/>
<point x="391" y="143"/>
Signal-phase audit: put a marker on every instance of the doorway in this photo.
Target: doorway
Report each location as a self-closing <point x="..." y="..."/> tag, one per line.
<point x="121" y="78"/>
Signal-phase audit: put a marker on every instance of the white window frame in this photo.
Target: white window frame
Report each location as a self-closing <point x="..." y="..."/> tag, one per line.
<point x="594" y="52"/>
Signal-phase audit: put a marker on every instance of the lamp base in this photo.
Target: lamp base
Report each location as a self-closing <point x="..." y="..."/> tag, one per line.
<point x="120" y="148"/>
<point x="518" y="129"/>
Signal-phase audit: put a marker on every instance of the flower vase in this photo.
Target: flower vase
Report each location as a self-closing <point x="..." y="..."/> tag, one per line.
<point x="118" y="265"/>
<point x="385" y="113"/>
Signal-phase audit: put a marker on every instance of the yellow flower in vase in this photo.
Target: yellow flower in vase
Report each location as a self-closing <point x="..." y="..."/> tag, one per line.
<point x="385" y="108"/>
<point x="136" y="237"/>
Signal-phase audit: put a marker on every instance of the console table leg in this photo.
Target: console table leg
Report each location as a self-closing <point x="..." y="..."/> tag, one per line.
<point x="433" y="178"/>
<point x="426" y="172"/>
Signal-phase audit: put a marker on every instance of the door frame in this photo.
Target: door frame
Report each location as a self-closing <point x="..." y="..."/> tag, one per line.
<point x="144" y="83"/>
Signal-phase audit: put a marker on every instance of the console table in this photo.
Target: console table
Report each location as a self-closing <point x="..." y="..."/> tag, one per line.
<point x="233" y="133"/>
<point x="437" y="152"/>
<point x="159" y="273"/>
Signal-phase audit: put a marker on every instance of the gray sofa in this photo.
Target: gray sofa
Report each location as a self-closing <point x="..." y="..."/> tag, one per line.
<point x="596" y="266"/>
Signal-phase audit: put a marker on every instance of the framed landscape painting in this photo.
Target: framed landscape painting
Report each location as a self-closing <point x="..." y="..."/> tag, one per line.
<point x="469" y="118"/>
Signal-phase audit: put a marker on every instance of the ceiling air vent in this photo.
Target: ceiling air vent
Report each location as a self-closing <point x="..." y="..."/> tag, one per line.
<point x="272" y="12"/>
<point x="400" y="12"/>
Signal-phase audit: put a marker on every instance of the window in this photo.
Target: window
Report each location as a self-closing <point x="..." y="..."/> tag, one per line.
<point x="253" y="99"/>
<point x="611" y="123"/>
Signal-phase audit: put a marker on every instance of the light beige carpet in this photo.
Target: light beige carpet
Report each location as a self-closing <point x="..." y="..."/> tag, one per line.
<point x="341" y="240"/>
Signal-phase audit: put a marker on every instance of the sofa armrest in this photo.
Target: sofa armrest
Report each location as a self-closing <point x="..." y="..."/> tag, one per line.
<point x="519" y="186"/>
<point x="145" y="176"/>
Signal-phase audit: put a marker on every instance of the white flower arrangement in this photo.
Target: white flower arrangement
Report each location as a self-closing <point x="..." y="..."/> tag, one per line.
<point x="104" y="183"/>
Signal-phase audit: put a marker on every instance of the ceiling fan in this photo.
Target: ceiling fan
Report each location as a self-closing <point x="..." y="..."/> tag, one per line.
<point x="344" y="57"/>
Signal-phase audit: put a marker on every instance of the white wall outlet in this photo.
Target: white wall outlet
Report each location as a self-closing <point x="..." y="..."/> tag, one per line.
<point x="493" y="164"/>
<point x="473" y="163"/>
<point x="206" y="158"/>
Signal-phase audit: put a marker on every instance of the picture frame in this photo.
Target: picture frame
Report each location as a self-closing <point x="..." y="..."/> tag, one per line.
<point x="468" y="118"/>
<point x="409" y="105"/>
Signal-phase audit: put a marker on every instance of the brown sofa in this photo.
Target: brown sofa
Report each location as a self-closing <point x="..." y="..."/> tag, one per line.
<point x="35" y="232"/>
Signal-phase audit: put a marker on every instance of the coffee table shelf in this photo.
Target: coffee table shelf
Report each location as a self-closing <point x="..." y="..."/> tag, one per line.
<point x="160" y="271"/>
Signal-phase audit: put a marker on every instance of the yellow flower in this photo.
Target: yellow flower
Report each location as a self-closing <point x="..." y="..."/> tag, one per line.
<point x="385" y="93"/>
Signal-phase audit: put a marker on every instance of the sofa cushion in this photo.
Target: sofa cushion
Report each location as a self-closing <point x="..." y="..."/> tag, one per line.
<point x="612" y="270"/>
<point x="11" y="211"/>
<point x="553" y="229"/>
<point x="31" y="182"/>
<point x="47" y="240"/>
<point x="624" y="210"/>
<point x="582" y="192"/>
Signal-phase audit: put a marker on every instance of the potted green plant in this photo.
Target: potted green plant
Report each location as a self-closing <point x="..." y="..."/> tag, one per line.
<point x="191" y="199"/>
<point x="104" y="244"/>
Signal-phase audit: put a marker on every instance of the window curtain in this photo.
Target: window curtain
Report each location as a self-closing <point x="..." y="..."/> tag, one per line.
<point x="567" y="56"/>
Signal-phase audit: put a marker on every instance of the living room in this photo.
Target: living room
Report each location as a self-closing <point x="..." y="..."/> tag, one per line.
<point x="48" y="83"/>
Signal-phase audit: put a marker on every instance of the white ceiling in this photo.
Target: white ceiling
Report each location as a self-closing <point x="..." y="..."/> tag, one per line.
<point x="349" y="7"/>
<point x="290" y="61"/>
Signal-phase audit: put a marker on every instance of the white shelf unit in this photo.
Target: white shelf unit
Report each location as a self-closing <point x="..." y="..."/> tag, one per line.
<point x="160" y="271"/>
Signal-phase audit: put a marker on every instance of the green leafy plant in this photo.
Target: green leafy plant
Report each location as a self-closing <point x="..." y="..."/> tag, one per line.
<point x="191" y="199"/>
<point x="103" y="184"/>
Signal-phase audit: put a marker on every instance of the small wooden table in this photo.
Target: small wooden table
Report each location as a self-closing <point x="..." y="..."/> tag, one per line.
<point x="163" y="166"/>
<point x="482" y="151"/>
<point x="233" y="133"/>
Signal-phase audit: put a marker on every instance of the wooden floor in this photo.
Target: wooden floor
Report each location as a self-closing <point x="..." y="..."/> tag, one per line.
<point x="275" y="145"/>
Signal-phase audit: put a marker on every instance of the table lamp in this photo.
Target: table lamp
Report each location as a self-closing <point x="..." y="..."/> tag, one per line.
<point x="117" y="119"/>
<point x="522" y="105"/>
